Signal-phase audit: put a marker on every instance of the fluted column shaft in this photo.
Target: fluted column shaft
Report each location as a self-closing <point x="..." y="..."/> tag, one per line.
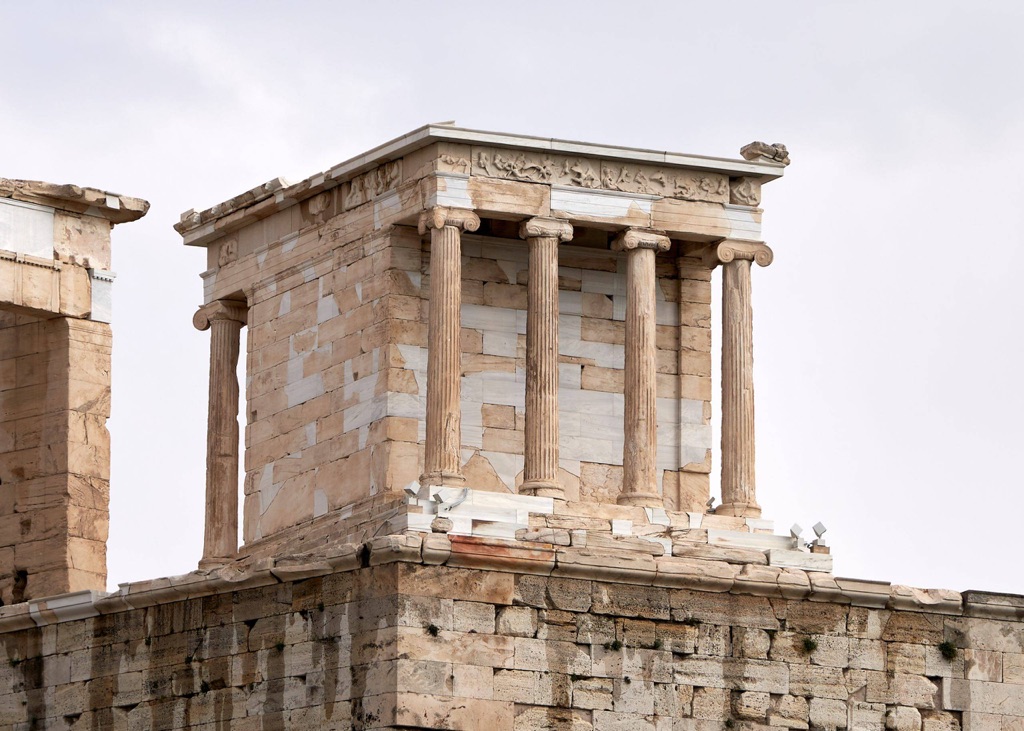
<point x="224" y="319"/>
<point x="739" y="495"/>
<point x="442" y="462"/>
<point x="640" y="422"/>
<point x="540" y="471"/>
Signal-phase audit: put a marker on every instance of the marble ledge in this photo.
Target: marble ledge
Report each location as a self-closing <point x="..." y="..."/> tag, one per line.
<point x="597" y="563"/>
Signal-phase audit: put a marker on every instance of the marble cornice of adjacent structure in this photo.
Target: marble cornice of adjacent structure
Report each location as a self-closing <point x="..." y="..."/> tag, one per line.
<point x="519" y="557"/>
<point x="90" y="201"/>
<point x="692" y="177"/>
<point x="28" y="259"/>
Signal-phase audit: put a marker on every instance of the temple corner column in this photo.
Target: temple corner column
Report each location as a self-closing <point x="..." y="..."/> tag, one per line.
<point x="442" y="464"/>
<point x="739" y="495"/>
<point x="224" y="319"/>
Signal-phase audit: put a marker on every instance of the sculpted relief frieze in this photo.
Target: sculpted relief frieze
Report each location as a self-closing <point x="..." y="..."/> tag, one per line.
<point x="746" y="192"/>
<point x="453" y="164"/>
<point x="587" y="173"/>
<point x="553" y="169"/>
<point x="373" y="183"/>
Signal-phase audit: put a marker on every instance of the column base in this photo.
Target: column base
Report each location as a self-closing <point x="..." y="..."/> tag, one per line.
<point x="542" y="488"/>
<point x="641" y="499"/>
<point x="739" y="510"/>
<point x="211" y="564"/>
<point x="433" y="479"/>
<point x="440" y="479"/>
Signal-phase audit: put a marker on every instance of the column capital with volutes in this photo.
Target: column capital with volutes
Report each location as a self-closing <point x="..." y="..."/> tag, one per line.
<point x="728" y="250"/>
<point x="546" y="228"/>
<point x="441" y="216"/>
<point x="641" y="238"/>
<point x="220" y="310"/>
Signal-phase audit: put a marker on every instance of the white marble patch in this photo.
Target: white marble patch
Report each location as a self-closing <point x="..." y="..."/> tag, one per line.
<point x="305" y="389"/>
<point x="570" y="375"/>
<point x="622" y="527"/>
<point x="800" y="560"/>
<point x="102" y="295"/>
<point x="386" y="207"/>
<point x="319" y="503"/>
<point x="26" y="228"/>
<point x="365" y="413"/>
<point x="326" y="308"/>
<point x="760" y="541"/>
<point x="489" y="319"/>
<point x="268" y="488"/>
<point x="452" y="190"/>
<point x="599" y="203"/>
<point x="500" y="343"/>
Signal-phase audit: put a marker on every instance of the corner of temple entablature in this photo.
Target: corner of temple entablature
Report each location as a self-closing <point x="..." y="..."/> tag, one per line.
<point x="727" y="250"/>
<point x="220" y="310"/>
<point x="745" y="190"/>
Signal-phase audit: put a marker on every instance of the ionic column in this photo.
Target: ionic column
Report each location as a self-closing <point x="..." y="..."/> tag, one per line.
<point x="738" y="490"/>
<point x="442" y="463"/>
<point x="224" y="319"/>
<point x="540" y="471"/>
<point x="640" y="423"/>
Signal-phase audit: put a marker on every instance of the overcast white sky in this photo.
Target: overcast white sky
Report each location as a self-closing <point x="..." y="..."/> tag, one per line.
<point x="888" y="332"/>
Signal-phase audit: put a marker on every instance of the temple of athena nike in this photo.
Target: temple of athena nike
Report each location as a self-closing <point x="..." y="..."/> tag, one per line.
<point x="476" y="470"/>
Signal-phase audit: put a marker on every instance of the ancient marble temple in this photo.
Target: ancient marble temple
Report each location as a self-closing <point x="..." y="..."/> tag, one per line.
<point x="461" y="310"/>
<point x="477" y="459"/>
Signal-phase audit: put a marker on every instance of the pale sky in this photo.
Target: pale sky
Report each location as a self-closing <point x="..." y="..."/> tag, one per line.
<point x="888" y="331"/>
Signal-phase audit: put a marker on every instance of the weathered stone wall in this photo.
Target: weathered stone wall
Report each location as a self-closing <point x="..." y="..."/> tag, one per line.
<point x="54" y="475"/>
<point x="54" y="405"/>
<point x="373" y="638"/>
<point x="323" y="366"/>
<point x="55" y="345"/>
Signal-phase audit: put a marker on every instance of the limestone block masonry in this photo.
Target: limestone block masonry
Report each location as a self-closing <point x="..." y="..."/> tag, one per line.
<point x="55" y="340"/>
<point x="464" y="633"/>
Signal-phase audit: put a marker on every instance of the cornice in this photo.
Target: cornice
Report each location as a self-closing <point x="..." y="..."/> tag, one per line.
<point x="89" y="201"/>
<point x="197" y="227"/>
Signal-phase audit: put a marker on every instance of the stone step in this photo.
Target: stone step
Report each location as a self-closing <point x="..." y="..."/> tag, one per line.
<point x="761" y="541"/>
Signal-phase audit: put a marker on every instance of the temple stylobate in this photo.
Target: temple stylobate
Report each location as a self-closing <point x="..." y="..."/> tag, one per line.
<point x="475" y="311"/>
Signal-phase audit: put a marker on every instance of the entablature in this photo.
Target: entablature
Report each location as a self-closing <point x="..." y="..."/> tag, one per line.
<point x="521" y="176"/>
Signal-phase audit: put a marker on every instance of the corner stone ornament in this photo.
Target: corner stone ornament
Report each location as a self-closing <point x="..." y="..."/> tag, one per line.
<point x="775" y="152"/>
<point x="739" y="495"/>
